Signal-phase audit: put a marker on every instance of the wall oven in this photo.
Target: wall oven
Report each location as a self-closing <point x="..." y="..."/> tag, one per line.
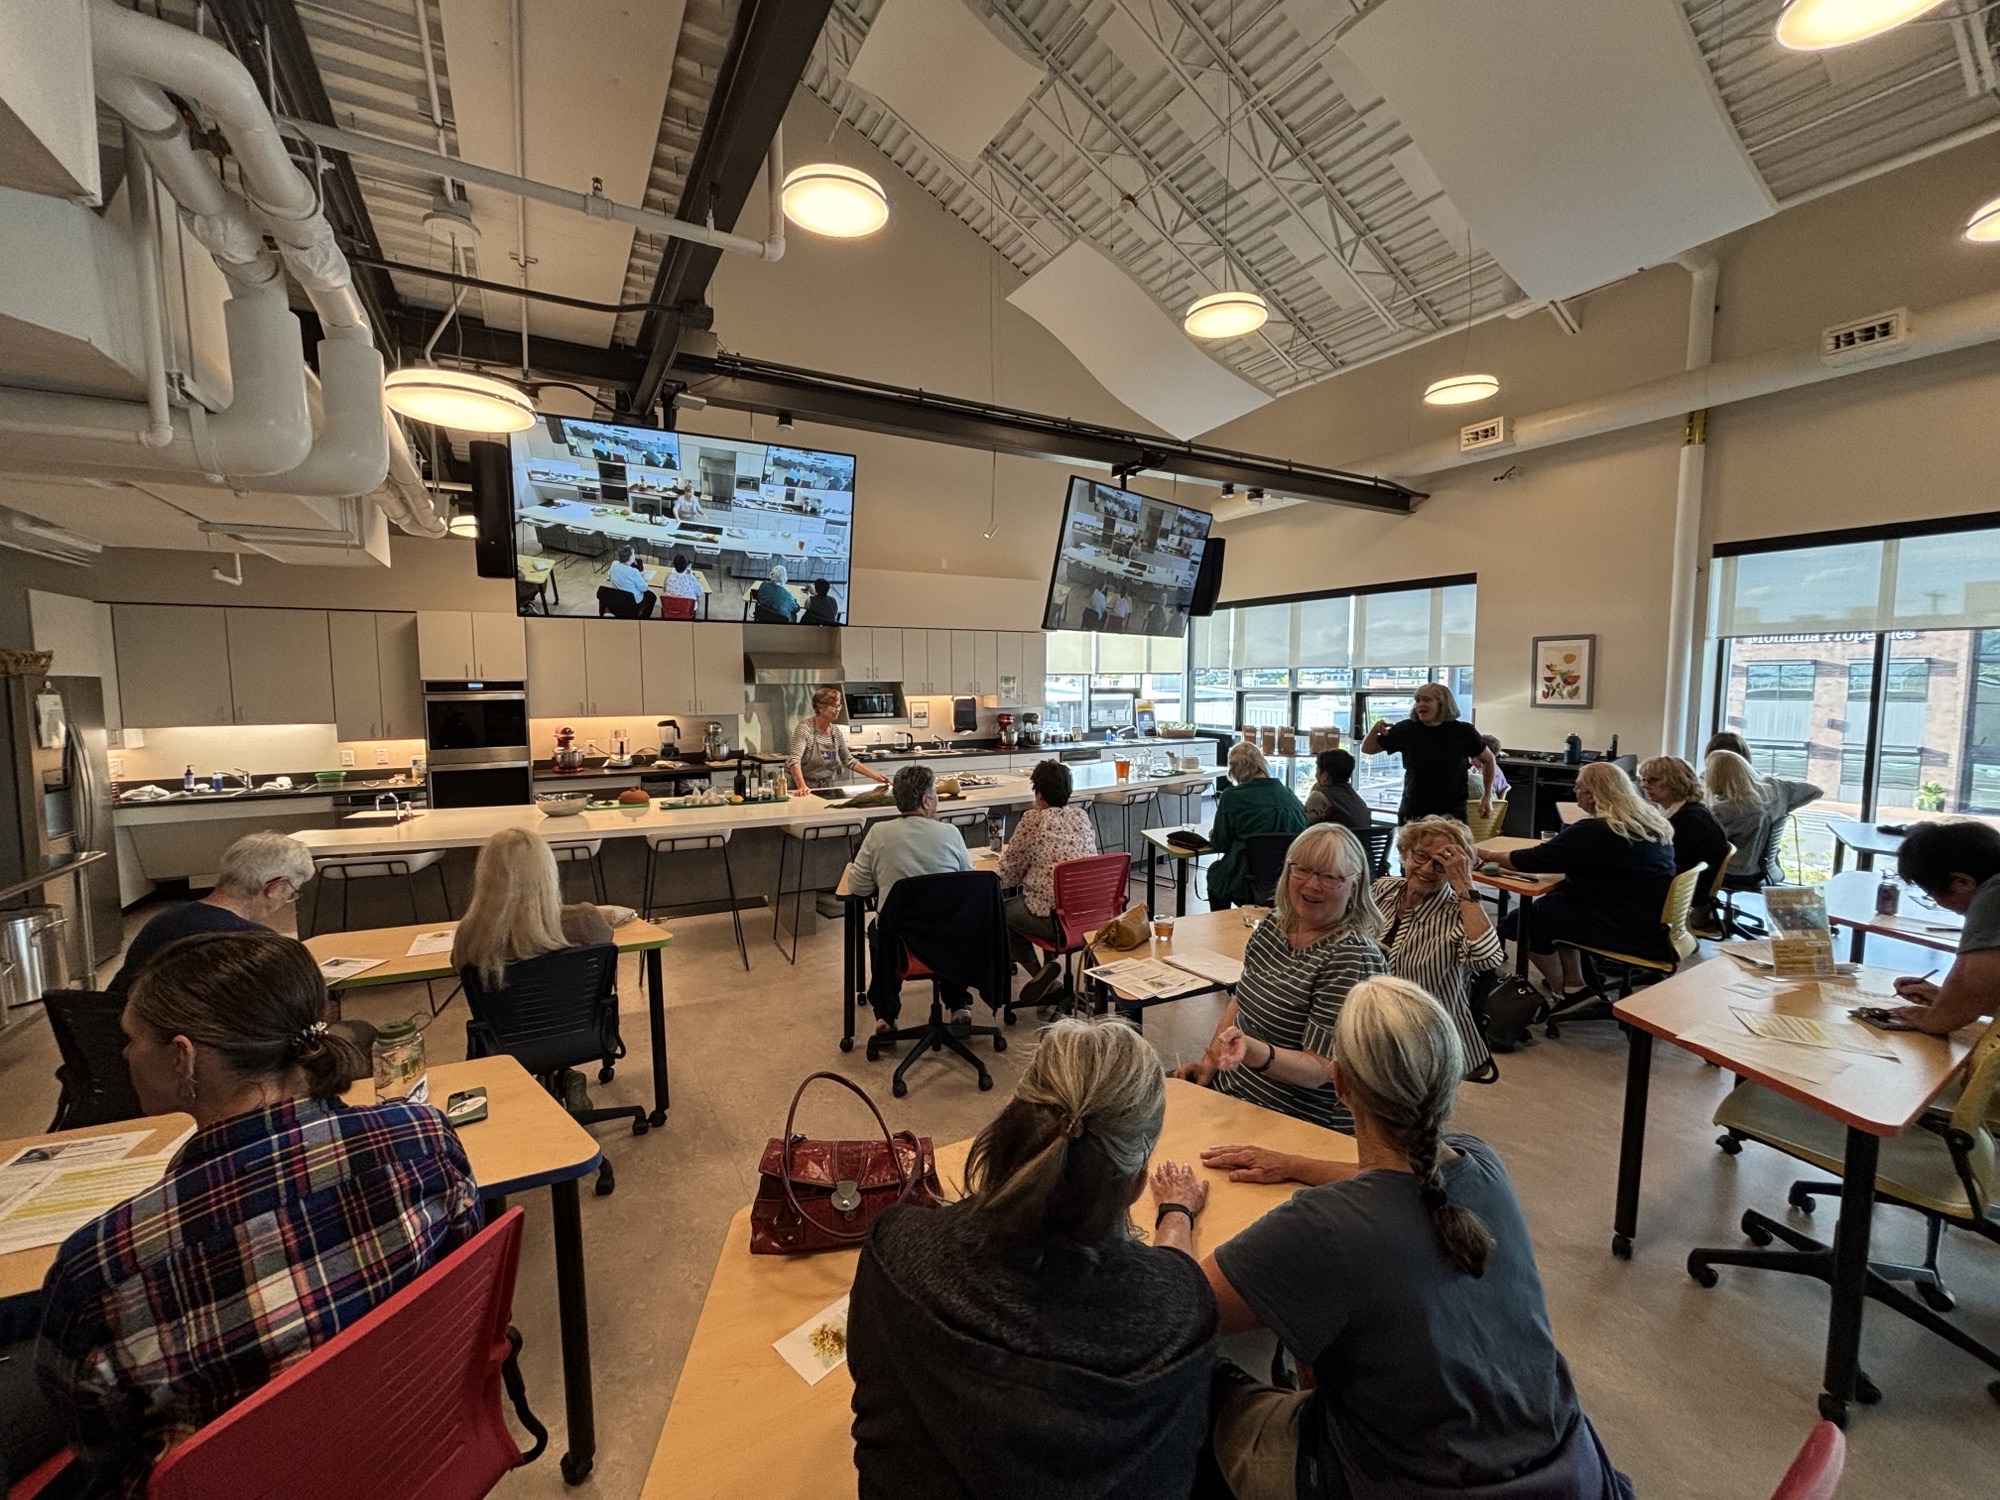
<point x="476" y="734"/>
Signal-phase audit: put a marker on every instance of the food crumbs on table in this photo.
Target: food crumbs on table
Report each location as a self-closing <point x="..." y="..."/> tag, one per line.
<point x="829" y="1341"/>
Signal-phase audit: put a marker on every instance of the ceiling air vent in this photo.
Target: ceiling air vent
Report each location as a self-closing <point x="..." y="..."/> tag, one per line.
<point x="1494" y="432"/>
<point x="1868" y="338"/>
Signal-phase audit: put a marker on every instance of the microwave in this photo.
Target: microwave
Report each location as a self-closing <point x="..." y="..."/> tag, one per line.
<point x="875" y="700"/>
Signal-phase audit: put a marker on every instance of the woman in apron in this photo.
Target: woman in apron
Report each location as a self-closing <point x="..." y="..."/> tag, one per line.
<point x="819" y="755"/>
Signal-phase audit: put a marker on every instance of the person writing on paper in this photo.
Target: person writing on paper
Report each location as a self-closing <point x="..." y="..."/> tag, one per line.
<point x="1956" y="862"/>
<point x="517" y="909"/>
<point x="259" y="877"/>
<point x="1407" y="1281"/>
<point x="286" y="1216"/>
<point x="1025" y="1340"/>
<point x="1271" y="1043"/>
<point x="819" y="756"/>
<point x="1436" y="746"/>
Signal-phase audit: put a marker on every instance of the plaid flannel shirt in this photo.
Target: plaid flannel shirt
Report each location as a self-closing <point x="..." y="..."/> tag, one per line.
<point x="270" y="1232"/>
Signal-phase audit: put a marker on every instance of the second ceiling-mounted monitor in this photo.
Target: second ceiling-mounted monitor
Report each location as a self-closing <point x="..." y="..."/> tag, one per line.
<point x="1126" y="564"/>
<point x="640" y="523"/>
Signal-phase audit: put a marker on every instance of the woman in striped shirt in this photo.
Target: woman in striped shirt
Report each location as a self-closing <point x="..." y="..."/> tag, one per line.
<point x="1273" y="1041"/>
<point x="1438" y="935"/>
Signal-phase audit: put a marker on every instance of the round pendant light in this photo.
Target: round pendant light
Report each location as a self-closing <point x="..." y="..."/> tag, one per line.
<point x="463" y="523"/>
<point x="1816" y="25"/>
<point x="1983" y="228"/>
<point x="1225" y="315"/>
<point x="835" y="201"/>
<point x="1461" y="390"/>
<point x="458" y="399"/>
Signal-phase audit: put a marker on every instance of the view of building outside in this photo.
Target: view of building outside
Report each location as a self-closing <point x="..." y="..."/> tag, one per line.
<point x="1095" y="681"/>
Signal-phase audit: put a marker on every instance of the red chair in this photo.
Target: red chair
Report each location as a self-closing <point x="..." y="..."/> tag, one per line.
<point x="403" y="1402"/>
<point x="1815" y="1472"/>
<point x="1088" y="893"/>
<point x="676" y="607"/>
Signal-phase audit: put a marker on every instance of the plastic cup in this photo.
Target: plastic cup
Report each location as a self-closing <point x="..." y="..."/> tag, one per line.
<point x="1124" y="769"/>
<point x="1163" y="929"/>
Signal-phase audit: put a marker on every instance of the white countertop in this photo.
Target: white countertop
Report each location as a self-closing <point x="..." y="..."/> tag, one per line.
<point x="469" y="827"/>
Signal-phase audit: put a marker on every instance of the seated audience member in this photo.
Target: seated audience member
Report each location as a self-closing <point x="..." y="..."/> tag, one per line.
<point x="1437" y="933"/>
<point x="913" y="843"/>
<point x="775" y="603"/>
<point x="1333" y="798"/>
<point x="822" y="608"/>
<point x="1671" y="785"/>
<point x="1725" y="739"/>
<point x="624" y="573"/>
<point x="1025" y="1340"/>
<point x="683" y="582"/>
<point x="1271" y="1043"/>
<point x="1475" y="780"/>
<point x="1617" y="862"/>
<point x="1407" y="1282"/>
<point x="1257" y="803"/>
<point x="259" y="876"/>
<point x="285" y="1217"/>
<point x="1752" y="810"/>
<point x="1956" y="863"/>
<point x="517" y="908"/>
<point x="1049" y="832"/>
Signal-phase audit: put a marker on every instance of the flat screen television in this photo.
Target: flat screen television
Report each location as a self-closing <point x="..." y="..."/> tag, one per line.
<point x="1125" y="562"/>
<point x="656" y="525"/>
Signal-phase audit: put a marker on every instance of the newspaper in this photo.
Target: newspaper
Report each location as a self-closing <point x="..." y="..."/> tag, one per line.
<point x="1147" y="979"/>
<point x="1217" y="968"/>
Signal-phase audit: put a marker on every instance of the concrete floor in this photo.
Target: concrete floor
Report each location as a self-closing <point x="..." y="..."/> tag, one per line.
<point x="1697" y="1393"/>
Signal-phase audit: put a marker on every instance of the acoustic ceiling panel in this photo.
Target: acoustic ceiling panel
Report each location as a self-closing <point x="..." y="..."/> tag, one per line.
<point x="950" y="78"/>
<point x="1135" y="350"/>
<point x="1493" y="92"/>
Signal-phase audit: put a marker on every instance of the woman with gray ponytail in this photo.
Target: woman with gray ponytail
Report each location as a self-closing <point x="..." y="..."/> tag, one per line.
<point x="1408" y="1283"/>
<point x="1025" y="1340"/>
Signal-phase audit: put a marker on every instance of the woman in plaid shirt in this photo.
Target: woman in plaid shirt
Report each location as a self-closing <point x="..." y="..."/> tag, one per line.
<point x="285" y="1217"/>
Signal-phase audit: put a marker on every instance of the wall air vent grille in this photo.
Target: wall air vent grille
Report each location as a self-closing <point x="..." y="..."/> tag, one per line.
<point x="1867" y="338"/>
<point x="1493" y="432"/>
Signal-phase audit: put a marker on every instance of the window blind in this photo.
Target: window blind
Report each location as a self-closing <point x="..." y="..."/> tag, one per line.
<point x="1946" y="581"/>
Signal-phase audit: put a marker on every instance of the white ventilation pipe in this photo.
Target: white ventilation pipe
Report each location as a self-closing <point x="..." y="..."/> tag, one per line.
<point x="405" y="497"/>
<point x="143" y="203"/>
<point x="351" y="454"/>
<point x="1677" y="723"/>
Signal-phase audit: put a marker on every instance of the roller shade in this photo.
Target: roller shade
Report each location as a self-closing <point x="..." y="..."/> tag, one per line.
<point x="1390" y="628"/>
<point x="1946" y="581"/>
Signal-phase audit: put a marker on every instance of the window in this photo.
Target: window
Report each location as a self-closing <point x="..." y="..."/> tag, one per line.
<point x="1777" y="698"/>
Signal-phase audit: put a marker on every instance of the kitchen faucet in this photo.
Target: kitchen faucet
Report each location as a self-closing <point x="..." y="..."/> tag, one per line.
<point x="241" y="775"/>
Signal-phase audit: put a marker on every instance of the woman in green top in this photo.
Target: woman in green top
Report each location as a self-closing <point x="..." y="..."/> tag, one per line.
<point x="1256" y="804"/>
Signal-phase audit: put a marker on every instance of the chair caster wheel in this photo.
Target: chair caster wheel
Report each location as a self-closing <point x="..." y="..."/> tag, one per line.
<point x="606" y="1183"/>
<point x="1803" y="1202"/>
<point x="1552" y="1030"/>
<point x="899" y="1088"/>
<point x="1756" y="1233"/>
<point x="847" y="1044"/>
<point x="1008" y="1018"/>
<point x="1621" y="1246"/>
<point x="1834" y="1411"/>
<point x="985" y="1082"/>
<point x="1705" y="1275"/>
<point x="640" y="1127"/>
<point x="606" y="1073"/>
<point x="1731" y="1146"/>
<point x="999" y="1044"/>
<point x="872" y="1053"/>
<point x="1866" y="1391"/>
<point x="1936" y="1298"/>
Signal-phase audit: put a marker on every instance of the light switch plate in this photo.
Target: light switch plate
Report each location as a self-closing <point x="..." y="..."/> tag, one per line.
<point x="381" y="755"/>
<point x="347" y="757"/>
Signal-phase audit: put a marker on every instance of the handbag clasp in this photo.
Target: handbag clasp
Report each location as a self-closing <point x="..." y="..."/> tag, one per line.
<point x="846" y="1196"/>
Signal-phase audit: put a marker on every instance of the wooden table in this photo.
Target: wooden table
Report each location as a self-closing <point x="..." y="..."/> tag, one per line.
<point x="1183" y="858"/>
<point x="1874" y="1097"/>
<point x="742" y="1423"/>
<point x="541" y="572"/>
<point x="1224" y="932"/>
<point x="1866" y="840"/>
<point x="1850" y="903"/>
<point x="398" y="966"/>
<point x="1509" y="883"/>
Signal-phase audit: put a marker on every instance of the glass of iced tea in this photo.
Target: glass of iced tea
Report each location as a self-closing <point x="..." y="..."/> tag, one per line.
<point x="1163" y="929"/>
<point x="1123" y="768"/>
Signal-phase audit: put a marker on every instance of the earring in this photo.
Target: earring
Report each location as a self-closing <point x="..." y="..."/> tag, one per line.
<point x="187" y="1092"/>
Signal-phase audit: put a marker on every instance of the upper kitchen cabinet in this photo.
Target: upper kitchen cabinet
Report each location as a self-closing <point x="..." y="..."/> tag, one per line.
<point x="687" y="669"/>
<point x="888" y="654"/>
<point x="173" y="664"/>
<point x="916" y="662"/>
<point x="402" y="683"/>
<point x="872" y="654"/>
<point x="461" y="646"/>
<point x="376" y="691"/>
<point x="556" y="688"/>
<point x="612" y="672"/>
<point x="718" y="669"/>
<point x="499" y="648"/>
<point x="280" y="666"/>
<point x="666" y="669"/>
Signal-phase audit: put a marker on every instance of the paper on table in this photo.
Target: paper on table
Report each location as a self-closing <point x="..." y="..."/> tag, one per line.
<point x="71" y="1153"/>
<point x="70" y="1197"/>
<point x="436" y="941"/>
<point x="1806" y="1064"/>
<point x="1145" y="979"/>
<point x="335" y="969"/>
<point x="1837" y="1036"/>
<point x="818" y="1346"/>
<point x="1219" y="968"/>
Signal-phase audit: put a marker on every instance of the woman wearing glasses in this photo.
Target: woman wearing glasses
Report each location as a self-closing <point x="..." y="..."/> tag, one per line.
<point x="1438" y="935"/>
<point x="1272" y="1043"/>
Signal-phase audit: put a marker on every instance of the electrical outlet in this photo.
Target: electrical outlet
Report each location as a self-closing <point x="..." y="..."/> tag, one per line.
<point x="117" y="763"/>
<point x="347" y="757"/>
<point x="381" y="755"/>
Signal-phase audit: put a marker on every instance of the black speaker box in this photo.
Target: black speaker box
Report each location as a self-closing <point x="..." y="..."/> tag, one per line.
<point x="493" y="504"/>
<point x="1208" y="581"/>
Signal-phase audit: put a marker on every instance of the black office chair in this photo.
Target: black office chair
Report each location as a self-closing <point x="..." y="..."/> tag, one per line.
<point x="96" y="1084"/>
<point x="1380" y="841"/>
<point x="621" y="605"/>
<point x="980" y="947"/>
<point x="556" y="1012"/>
<point x="1264" y="865"/>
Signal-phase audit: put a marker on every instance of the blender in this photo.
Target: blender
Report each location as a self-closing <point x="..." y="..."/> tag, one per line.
<point x="621" y="750"/>
<point x="670" y="733"/>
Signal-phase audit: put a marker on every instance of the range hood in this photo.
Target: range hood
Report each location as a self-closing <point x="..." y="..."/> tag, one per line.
<point x="788" y="668"/>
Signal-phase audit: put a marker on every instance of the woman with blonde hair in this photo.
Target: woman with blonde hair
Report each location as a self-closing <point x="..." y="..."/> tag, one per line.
<point x="1257" y="803"/>
<point x="1408" y="1282"/>
<point x="1437" y="933"/>
<point x="1274" y="1037"/>
<point x="1671" y="785"/>
<point x="1616" y="864"/>
<point x="1752" y="810"/>
<point x="517" y="909"/>
<point x="1025" y="1340"/>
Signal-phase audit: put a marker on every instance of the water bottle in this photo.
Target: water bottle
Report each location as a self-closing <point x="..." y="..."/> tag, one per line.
<point x="399" y="1063"/>
<point x="1887" y="896"/>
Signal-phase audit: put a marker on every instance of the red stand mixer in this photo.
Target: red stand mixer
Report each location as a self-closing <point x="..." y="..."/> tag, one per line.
<point x="567" y="757"/>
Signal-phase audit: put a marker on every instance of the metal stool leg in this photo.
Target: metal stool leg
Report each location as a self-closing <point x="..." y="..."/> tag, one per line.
<point x="646" y="898"/>
<point x="597" y="877"/>
<point x="778" y="899"/>
<point x="735" y="912"/>
<point x="410" y="890"/>
<point x="444" y="889"/>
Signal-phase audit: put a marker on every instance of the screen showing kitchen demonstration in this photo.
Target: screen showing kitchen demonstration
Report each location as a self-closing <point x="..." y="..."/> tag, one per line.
<point x="1125" y="563"/>
<point x="641" y="524"/>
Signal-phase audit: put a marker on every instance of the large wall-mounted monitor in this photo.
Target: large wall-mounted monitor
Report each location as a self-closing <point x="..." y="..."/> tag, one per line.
<point x="1125" y="563"/>
<point x="641" y="523"/>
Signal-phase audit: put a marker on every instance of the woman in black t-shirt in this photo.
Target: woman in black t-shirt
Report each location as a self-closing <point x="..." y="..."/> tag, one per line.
<point x="1672" y="786"/>
<point x="1436" y="746"/>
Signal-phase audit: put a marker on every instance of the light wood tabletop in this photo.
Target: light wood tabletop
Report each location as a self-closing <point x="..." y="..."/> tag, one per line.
<point x="1509" y="880"/>
<point x="1850" y="903"/>
<point x="742" y="1423"/>
<point x="1224" y="932"/>
<point x="399" y="966"/>
<point x="1157" y="837"/>
<point x="21" y="1271"/>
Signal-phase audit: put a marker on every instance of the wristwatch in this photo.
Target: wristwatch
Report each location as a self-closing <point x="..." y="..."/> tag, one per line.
<point x="1270" y="1056"/>
<point x="1173" y="1208"/>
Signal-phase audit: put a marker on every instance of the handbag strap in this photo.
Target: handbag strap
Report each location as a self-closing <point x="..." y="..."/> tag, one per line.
<point x="909" y="1177"/>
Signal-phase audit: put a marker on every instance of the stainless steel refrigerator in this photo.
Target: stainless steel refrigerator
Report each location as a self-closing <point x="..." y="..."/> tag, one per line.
<point x="58" y="801"/>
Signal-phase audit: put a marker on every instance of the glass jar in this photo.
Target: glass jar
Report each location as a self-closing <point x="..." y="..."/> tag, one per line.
<point x="399" y="1063"/>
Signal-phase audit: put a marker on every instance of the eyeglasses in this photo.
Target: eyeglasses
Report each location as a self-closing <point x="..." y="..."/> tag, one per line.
<point x="1305" y="873"/>
<point x="1419" y="860"/>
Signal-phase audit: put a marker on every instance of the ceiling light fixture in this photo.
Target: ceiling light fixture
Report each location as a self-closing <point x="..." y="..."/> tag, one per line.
<point x="839" y="202"/>
<point x="1232" y="312"/>
<point x="1983" y="228"/>
<point x="1818" y="25"/>
<point x="1461" y="390"/>
<point x="459" y="399"/>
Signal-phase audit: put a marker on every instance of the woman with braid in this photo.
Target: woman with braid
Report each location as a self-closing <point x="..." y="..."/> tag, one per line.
<point x="1025" y="1340"/>
<point x="1408" y="1284"/>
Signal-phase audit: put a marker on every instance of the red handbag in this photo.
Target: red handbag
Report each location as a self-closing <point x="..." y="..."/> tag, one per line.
<point x="824" y="1195"/>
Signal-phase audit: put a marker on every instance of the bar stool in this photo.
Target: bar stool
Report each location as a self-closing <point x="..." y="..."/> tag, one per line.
<point x="344" y="869"/>
<point x="805" y="837"/>
<point x="581" y="852"/>
<point x="1124" y="799"/>
<point x="665" y="845"/>
<point x="1188" y="790"/>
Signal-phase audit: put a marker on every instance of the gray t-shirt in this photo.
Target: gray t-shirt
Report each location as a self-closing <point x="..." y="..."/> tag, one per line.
<point x="1982" y="918"/>
<point x="905" y="845"/>
<point x="1441" y="1378"/>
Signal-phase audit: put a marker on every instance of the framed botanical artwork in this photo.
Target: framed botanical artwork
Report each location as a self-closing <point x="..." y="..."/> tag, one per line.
<point x="1565" y="671"/>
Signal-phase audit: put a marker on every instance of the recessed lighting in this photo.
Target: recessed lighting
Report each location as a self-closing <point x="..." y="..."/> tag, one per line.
<point x="839" y="202"/>
<point x="1225" y="315"/>
<point x="458" y="399"/>
<point x="1983" y="228"/>
<point x="1461" y="390"/>
<point x="1816" y="25"/>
